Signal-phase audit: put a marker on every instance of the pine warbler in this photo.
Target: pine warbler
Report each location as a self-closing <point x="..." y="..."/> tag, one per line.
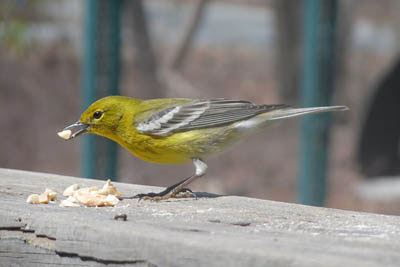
<point x="179" y="130"/>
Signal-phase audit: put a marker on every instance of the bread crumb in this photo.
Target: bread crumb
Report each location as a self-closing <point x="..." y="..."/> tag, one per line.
<point x="33" y="199"/>
<point x="70" y="190"/>
<point x="111" y="200"/>
<point x="109" y="189"/>
<point x="91" y="196"/>
<point x="52" y="194"/>
<point x="69" y="202"/>
<point x="66" y="134"/>
<point x="44" y="198"/>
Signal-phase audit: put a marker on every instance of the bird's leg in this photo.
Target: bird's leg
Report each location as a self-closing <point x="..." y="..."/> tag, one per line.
<point x="179" y="189"/>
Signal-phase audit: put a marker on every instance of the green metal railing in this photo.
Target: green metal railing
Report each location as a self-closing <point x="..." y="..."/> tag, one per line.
<point x="317" y="87"/>
<point x="101" y="69"/>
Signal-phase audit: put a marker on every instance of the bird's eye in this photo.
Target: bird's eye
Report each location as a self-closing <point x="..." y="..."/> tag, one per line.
<point x="97" y="114"/>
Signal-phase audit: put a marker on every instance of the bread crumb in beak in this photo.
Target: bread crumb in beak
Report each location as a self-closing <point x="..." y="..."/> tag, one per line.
<point x="66" y="134"/>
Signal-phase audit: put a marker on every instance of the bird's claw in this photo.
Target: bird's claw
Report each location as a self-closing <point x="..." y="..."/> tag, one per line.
<point x="156" y="197"/>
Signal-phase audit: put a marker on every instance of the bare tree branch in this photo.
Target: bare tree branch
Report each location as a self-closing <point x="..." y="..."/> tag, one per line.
<point x="195" y="17"/>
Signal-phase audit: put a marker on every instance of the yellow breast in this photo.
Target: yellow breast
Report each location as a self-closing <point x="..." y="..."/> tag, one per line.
<point x="177" y="148"/>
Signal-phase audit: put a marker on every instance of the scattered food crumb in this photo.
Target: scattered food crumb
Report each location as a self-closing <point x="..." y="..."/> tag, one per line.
<point x="111" y="200"/>
<point x="69" y="202"/>
<point x="92" y="196"/>
<point x="70" y="190"/>
<point x="52" y="194"/>
<point x="88" y="196"/>
<point x="33" y="199"/>
<point x="109" y="189"/>
<point x="44" y="198"/>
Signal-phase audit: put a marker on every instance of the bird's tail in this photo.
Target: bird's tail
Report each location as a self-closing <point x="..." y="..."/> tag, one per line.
<point x="262" y="120"/>
<point x="293" y="112"/>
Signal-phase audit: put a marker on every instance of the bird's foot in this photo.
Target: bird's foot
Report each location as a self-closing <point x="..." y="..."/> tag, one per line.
<point x="164" y="195"/>
<point x="177" y="190"/>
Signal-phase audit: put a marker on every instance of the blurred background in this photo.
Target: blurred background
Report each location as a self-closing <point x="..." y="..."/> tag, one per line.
<point x="56" y="57"/>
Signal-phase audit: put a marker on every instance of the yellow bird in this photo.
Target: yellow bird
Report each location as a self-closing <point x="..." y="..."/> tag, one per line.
<point x="179" y="130"/>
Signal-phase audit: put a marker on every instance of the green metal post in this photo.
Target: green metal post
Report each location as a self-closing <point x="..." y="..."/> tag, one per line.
<point x="317" y="87"/>
<point x="89" y="83"/>
<point x="113" y="71"/>
<point x="101" y="68"/>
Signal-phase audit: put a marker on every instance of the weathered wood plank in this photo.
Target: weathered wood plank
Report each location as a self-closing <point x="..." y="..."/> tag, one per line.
<point x="219" y="231"/>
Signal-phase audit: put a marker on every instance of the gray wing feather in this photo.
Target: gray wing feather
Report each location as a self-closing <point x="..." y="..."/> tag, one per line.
<point x="202" y="114"/>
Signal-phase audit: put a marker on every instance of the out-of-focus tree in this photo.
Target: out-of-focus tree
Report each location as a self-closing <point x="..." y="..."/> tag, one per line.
<point x="289" y="33"/>
<point x="195" y="17"/>
<point x="151" y="85"/>
<point x="288" y="20"/>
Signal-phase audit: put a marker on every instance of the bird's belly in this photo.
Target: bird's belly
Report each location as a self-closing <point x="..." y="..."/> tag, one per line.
<point x="182" y="147"/>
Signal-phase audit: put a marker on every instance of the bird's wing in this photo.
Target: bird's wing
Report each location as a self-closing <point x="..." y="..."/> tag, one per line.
<point x="199" y="114"/>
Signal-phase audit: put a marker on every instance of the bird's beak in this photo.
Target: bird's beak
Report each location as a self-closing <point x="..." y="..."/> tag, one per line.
<point x="78" y="128"/>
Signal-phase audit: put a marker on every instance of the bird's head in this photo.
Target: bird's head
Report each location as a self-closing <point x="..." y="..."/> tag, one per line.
<point x="101" y="118"/>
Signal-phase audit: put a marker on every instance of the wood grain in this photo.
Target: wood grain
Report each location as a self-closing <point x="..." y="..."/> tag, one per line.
<point x="208" y="231"/>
